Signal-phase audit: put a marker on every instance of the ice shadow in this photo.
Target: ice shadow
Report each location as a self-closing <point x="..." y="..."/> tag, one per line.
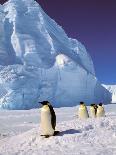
<point x="69" y="132"/>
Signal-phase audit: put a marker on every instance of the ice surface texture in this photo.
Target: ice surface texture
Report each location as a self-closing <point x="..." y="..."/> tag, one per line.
<point x="39" y="62"/>
<point x="112" y="90"/>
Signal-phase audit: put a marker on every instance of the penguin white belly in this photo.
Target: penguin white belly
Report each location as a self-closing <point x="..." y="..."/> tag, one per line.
<point x="46" y="126"/>
<point x="100" y="112"/>
<point x="92" y="113"/>
<point x="83" y="114"/>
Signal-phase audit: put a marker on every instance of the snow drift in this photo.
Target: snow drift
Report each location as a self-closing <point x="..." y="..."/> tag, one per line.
<point x="20" y="133"/>
<point x="39" y="62"/>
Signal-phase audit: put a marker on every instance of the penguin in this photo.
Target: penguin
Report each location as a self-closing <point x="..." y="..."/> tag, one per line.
<point x="83" y="112"/>
<point x="100" y="111"/>
<point x="93" y="110"/>
<point x="48" y="120"/>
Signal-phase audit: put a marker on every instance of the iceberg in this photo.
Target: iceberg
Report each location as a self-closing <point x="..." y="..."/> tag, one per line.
<point x="38" y="61"/>
<point x="112" y="90"/>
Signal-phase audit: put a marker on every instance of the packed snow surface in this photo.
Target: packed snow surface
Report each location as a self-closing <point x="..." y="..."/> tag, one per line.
<point x="20" y="133"/>
<point x="38" y="61"/>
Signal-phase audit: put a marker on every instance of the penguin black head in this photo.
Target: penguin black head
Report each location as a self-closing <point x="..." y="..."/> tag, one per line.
<point x="44" y="102"/>
<point x="81" y="103"/>
<point x="95" y="106"/>
<point x="100" y="104"/>
<point x="92" y="105"/>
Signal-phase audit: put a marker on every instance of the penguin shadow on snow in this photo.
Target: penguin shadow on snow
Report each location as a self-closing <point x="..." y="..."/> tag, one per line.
<point x="69" y="132"/>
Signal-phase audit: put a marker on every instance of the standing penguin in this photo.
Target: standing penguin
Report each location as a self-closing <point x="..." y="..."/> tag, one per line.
<point x="83" y="113"/>
<point x="100" y="110"/>
<point x="48" y="119"/>
<point x="93" y="110"/>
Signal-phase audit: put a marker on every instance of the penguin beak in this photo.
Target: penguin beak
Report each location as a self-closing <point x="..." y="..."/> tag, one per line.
<point x="41" y="104"/>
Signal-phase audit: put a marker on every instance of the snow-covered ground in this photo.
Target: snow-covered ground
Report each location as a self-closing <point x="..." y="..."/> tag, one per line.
<point x="20" y="133"/>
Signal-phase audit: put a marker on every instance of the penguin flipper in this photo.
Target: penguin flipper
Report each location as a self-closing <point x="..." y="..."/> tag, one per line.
<point x="53" y="118"/>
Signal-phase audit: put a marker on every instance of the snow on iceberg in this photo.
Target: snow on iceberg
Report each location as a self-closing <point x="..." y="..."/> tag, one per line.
<point x="112" y="90"/>
<point x="39" y="62"/>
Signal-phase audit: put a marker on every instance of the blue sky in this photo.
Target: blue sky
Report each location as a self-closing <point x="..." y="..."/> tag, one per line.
<point x="93" y="22"/>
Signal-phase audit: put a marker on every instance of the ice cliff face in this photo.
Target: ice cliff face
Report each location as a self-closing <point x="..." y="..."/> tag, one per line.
<point x="39" y="62"/>
<point x="112" y="90"/>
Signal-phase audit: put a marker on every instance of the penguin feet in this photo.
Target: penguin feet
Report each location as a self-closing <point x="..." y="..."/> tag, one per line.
<point x="56" y="133"/>
<point x="46" y="136"/>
